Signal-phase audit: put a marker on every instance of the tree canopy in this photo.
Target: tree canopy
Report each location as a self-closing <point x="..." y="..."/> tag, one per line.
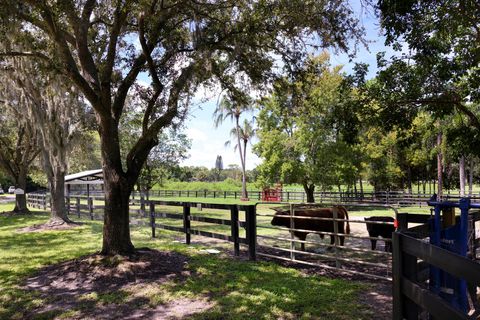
<point x="103" y="47"/>
<point x="301" y="136"/>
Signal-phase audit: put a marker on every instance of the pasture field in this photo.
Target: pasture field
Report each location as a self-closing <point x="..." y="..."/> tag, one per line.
<point x="232" y="288"/>
<point x="231" y="185"/>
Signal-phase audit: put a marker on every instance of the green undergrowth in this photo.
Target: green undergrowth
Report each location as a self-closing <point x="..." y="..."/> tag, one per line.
<point x="234" y="288"/>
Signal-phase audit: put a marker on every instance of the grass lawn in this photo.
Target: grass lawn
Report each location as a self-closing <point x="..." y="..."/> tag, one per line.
<point x="236" y="289"/>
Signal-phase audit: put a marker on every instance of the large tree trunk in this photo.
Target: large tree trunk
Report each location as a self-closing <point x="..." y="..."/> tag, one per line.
<point x="57" y="190"/>
<point x="55" y="166"/>
<point x="470" y="179"/>
<point x="439" y="167"/>
<point x="461" y="169"/>
<point x="118" y="187"/>
<point x="309" y="191"/>
<point x="116" y="227"/>
<point x="361" y="187"/>
<point x="21" y="199"/>
<point x="409" y="179"/>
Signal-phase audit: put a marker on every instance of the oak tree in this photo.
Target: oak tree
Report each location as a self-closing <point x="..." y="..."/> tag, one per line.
<point x="103" y="47"/>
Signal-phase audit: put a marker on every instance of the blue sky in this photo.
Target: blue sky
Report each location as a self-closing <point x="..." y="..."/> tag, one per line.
<point x="208" y="142"/>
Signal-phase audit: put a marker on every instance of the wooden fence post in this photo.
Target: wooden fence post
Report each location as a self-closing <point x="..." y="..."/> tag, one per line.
<point x="90" y="207"/>
<point x="397" y="277"/>
<point x="402" y="220"/>
<point x="67" y="200"/>
<point x="78" y="206"/>
<point x="409" y="266"/>
<point x="152" y="218"/>
<point x="403" y="265"/>
<point x="45" y="202"/>
<point x="251" y="222"/>
<point x="142" y="205"/>
<point x="234" y="229"/>
<point x="292" y="233"/>
<point x="186" y="222"/>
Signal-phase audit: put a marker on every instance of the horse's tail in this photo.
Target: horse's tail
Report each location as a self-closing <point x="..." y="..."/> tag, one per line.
<point x="345" y="212"/>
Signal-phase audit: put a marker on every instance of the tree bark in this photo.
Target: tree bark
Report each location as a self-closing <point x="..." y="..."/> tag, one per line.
<point x="116" y="228"/>
<point x="57" y="190"/>
<point x="461" y="169"/>
<point x="409" y="179"/>
<point x="361" y="187"/>
<point x="309" y="191"/>
<point x="118" y="187"/>
<point x="470" y="179"/>
<point x="21" y="199"/>
<point x="439" y="167"/>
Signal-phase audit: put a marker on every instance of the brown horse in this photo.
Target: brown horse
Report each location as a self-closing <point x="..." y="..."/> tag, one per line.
<point x="311" y="224"/>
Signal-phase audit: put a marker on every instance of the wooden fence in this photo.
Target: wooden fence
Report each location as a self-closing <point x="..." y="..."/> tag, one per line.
<point x="186" y="218"/>
<point x="398" y="198"/>
<point x="156" y="214"/>
<point x="384" y="197"/>
<point x="412" y="258"/>
<point x="38" y="200"/>
<point x="150" y="213"/>
<point x="353" y="257"/>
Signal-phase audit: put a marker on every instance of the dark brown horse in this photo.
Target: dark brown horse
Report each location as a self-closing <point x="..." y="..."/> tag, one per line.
<point x="313" y="224"/>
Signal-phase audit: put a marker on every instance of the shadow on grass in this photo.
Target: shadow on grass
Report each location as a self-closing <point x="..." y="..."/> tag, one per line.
<point x="245" y="290"/>
<point x="233" y="289"/>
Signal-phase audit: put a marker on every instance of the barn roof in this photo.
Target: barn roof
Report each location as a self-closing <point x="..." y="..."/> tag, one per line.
<point x="85" y="177"/>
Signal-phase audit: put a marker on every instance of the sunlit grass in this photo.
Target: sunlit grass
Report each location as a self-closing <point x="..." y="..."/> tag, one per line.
<point x="237" y="289"/>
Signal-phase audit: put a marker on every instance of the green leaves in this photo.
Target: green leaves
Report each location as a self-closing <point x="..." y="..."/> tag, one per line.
<point x="299" y="136"/>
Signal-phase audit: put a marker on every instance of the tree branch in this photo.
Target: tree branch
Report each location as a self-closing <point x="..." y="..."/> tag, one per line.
<point x="80" y="29"/>
<point x="148" y="140"/>
<point x="57" y="35"/>
<point x="120" y="16"/>
<point x="474" y="121"/>
<point x="26" y="54"/>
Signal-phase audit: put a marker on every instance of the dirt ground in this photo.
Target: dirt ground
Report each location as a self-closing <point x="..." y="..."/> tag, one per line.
<point x="378" y="296"/>
<point x="68" y="286"/>
<point x="82" y="284"/>
<point x="48" y="226"/>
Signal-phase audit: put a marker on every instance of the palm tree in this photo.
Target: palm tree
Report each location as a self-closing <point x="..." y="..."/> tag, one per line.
<point x="230" y="108"/>
<point x="243" y="135"/>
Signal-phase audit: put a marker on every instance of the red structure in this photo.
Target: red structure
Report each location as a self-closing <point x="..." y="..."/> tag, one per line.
<point x="272" y="194"/>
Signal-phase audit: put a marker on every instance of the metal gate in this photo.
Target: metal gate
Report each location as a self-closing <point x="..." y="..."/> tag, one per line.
<point x="345" y="252"/>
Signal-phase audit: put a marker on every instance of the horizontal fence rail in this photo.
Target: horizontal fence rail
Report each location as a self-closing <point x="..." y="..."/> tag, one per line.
<point x="152" y="213"/>
<point x="245" y="225"/>
<point x="410" y="293"/>
<point x="413" y="256"/>
<point x="354" y="256"/>
<point x="187" y="218"/>
<point x="399" y="198"/>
